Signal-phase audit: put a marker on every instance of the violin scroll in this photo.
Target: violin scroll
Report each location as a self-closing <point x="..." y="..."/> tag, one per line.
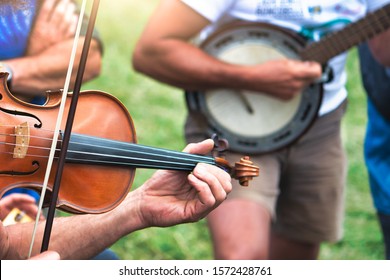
<point x="244" y="171"/>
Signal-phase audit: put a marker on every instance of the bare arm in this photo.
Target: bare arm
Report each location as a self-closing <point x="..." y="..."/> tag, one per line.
<point x="48" y="52"/>
<point x="164" y="53"/>
<point x="35" y="74"/>
<point x="167" y="198"/>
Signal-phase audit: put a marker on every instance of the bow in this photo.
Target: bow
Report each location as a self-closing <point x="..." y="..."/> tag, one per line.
<point x="68" y="127"/>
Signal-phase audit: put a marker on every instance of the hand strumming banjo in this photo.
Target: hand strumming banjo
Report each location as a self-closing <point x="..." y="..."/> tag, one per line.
<point x="257" y="123"/>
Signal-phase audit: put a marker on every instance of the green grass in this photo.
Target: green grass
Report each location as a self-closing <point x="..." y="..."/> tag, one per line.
<point x="159" y="111"/>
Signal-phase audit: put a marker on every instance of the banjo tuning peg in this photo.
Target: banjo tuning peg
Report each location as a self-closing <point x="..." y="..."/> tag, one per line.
<point x="220" y="145"/>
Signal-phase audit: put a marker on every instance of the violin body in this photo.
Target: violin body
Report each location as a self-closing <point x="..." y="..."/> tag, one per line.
<point x="99" y="188"/>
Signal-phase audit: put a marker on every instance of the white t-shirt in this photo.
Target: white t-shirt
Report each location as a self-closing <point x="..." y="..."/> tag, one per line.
<point x="297" y="15"/>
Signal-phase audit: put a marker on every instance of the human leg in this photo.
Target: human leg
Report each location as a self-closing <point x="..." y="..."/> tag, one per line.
<point x="310" y="206"/>
<point x="240" y="226"/>
<point x="289" y="249"/>
<point x="240" y="230"/>
<point x="385" y="226"/>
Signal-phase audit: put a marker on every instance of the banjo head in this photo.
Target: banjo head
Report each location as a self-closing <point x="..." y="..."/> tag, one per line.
<point x="255" y="122"/>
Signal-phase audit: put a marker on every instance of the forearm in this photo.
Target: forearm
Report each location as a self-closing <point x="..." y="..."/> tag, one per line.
<point x="36" y="74"/>
<point x="94" y="233"/>
<point x="79" y="236"/>
<point x="183" y="65"/>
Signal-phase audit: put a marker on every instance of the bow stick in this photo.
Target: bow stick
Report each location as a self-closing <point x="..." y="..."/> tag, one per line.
<point x="69" y="124"/>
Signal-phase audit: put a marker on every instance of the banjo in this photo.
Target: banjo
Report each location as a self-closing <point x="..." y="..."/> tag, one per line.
<point x="257" y="123"/>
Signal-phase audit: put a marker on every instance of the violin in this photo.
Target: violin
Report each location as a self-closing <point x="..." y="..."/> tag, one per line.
<point x="102" y="154"/>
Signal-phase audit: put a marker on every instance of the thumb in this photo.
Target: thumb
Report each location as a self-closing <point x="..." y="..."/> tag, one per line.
<point x="200" y="148"/>
<point x="48" y="255"/>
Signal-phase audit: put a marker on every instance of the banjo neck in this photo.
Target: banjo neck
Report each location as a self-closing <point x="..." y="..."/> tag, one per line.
<point x="353" y="34"/>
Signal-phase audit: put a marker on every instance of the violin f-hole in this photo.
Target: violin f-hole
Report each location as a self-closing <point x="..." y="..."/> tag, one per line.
<point x="21" y="173"/>
<point x="25" y="114"/>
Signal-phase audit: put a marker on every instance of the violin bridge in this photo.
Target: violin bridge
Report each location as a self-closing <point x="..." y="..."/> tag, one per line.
<point x="22" y="140"/>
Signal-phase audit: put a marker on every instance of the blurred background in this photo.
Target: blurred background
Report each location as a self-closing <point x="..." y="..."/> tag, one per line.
<point x="158" y="112"/>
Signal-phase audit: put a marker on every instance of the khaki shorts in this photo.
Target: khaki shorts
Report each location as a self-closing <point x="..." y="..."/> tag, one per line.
<point x="302" y="186"/>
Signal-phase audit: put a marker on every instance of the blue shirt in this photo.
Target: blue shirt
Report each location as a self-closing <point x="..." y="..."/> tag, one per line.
<point x="376" y="81"/>
<point x="15" y="27"/>
<point x="377" y="156"/>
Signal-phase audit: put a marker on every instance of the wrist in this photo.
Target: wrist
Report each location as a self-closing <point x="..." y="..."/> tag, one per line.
<point x="4" y="67"/>
<point x="130" y="213"/>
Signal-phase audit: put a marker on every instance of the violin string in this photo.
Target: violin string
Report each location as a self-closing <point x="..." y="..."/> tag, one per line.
<point x="172" y="158"/>
<point x="130" y="147"/>
<point x="180" y="159"/>
<point x="144" y="163"/>
<point x="138" y="163"/>
<point x="152" y="164"/>
<point x="26" y="135"/>
<point x="23" y="146"/>
<point x="29" y="126"/>
<point x="80" y="143"/>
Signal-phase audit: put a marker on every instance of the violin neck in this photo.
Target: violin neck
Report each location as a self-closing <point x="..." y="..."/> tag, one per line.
<point x="94" y="150"/>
